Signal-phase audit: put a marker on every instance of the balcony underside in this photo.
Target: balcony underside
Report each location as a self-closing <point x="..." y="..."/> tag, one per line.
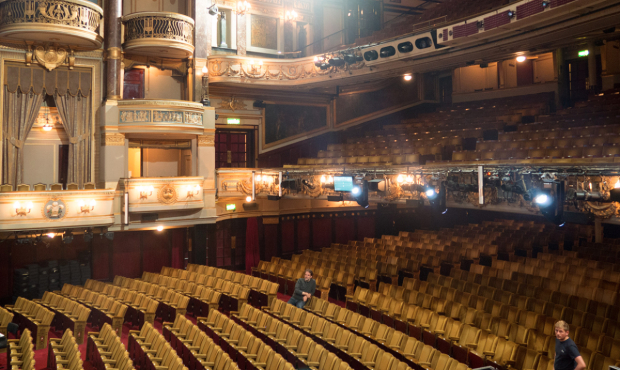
<point x="51" y="33"/>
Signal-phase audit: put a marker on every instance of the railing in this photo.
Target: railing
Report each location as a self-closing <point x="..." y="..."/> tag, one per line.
<point x="73" y="13"/>
<point x="159" y="25"/>
<point x="173" y="116"/>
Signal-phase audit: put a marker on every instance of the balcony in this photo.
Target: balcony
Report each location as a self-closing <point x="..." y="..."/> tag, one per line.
<point x="33" y="210"/>
<point x="161" y="34"/>
<point x="161" y="194"/>
<point x="68" y="22"/>
<point x="161" y="116"/>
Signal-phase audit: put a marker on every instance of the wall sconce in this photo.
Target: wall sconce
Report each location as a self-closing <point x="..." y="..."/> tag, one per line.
<point x="22" y="211"/>
<point x="327" y="180"/>
<point x="256" y="67"/>
<point x="243" y="7"/>
<point x="290" y="16"/>
<point x="192" y="190"/>
<point x="145" y="191"/>
<point x="86" y="208"/>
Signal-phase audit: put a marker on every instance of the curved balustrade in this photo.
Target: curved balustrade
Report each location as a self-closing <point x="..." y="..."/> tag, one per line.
<point x="73" y="22"/>
<point x="159" y="34"/>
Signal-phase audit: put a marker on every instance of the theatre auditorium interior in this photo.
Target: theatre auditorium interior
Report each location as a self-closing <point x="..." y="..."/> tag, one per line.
<point x="449" y="171"/>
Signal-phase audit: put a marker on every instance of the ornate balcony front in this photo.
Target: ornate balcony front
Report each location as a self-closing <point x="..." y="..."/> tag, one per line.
<point x="161" y="34"/>
<point x="161" y="194"/>
<point x="69" y="22"/>
<point x="160" y="116"/>
<point x="51" y="210"/>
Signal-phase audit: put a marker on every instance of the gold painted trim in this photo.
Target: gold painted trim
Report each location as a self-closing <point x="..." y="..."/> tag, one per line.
<point x="114" y="53"/>
<point x="159" y="102"/>
<point x="114" y="97"/>
<point x="113" y="139"/>
<point x="206" y="140"/>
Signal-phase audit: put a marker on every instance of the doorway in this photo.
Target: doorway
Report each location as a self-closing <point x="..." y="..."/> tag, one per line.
<point x="578" y="84"/>
<point x="234" y="148"/>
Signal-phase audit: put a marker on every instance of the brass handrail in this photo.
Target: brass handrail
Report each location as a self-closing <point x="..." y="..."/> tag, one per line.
<point x="153" y="25"/>
<point x="74" y="13"/>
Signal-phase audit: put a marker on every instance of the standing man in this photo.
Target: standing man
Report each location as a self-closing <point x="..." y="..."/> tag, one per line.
<point x="567" y="356"/>
<point x="304" y="289"/>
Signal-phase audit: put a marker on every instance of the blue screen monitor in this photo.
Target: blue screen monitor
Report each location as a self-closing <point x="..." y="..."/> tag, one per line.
<point x="343" y="183"/>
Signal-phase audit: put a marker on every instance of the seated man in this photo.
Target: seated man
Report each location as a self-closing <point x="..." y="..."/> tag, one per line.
<point x="304" y="289"/>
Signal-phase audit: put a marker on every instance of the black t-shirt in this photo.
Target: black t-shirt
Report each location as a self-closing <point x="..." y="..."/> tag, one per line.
<point x="565" y="354"/>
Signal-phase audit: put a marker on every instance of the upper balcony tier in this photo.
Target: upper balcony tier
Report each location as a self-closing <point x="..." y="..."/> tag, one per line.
<point x="162" y="34"/>
<point x="70" y="22"/>
<point x="161" y="116"/>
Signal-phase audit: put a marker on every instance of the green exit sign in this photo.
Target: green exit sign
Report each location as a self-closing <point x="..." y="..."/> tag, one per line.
<point x="231" y="207"/>
<point x="584" y="53"/>
<point x="234" y="121"/>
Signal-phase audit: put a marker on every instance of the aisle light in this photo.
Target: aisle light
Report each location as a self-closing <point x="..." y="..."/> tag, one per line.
<point x="521" y="58"/>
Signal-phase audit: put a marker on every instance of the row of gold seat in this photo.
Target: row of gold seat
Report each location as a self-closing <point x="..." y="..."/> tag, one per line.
<point x="597" y="154"/>
<point x="362" y="343"/>
<point x="150" y="350"/>
<point x="70" y="314"/>
<point x="5" y="319"/>
<point x="298" y="348"/>
<point x="111" y="305"/>
<point x="194" y="347"/>
<point x="63" y="353"/>
<point x="572" y="258"/>
<point x="33" y="316"/>
<point x="20" y="352"/>
<point x="227" y="332"/>
<point x="286" y="273"/>
<point x="105" y="350"/>
<point x="264" y="290"/>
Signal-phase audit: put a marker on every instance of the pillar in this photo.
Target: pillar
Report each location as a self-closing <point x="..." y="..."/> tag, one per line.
<point x="202" y="44"/>
<point x="113" y="16"/>
<point x="242" y="33"/>
<point x="592" y="66"/>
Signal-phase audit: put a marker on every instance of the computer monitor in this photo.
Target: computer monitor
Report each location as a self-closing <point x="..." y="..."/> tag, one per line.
<point x="343" y="183"/>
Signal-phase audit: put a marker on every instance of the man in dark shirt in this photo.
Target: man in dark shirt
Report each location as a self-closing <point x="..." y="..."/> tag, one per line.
<point x="567" y="355"/>
<point x="304" y="289"/>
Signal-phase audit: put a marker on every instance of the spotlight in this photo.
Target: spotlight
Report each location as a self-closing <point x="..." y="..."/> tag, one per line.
<point x="542" y="199"/>
<point x="361" y="194"/>
<point x="521" y="58"/>
<point x="359" y="58"/>
<point x="308" y="184"/>
<point x="51" y="235"/>
<point x="67" y="238"/>
<point x="407" y="77"/>
<point x="324" y="66"/>
<point x="545" y="3"/>
<point x="336" y="62"/>
<point x="248" y="198"/>
<point x="350" y="58"/>
<point x="160" y="228"/>
<point x="318" y="61"/>
<point x="355" y="190"/>
<point x="430" y="193"/>
<point x="213" y="10"/>
<point x="511" y="14"/>
<point x="109" y="235"/>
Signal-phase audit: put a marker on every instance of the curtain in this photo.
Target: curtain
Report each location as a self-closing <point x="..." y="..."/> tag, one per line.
<point x="20" y="113"/>
<point x="75" y="114"/>
<point x="252" y="254"/>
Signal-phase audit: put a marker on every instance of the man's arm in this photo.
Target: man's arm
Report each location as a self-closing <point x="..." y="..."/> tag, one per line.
<point x="313" y="289"/>
<point x="298" y="288"/>
<point x="581" y="365"/>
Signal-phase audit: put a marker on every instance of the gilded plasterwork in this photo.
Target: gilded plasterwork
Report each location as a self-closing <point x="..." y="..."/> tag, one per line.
<point x="50" y="57"/>
<point x="167" y="116"/>
<point x="65" y="13"/>
<point x="232" y="104"/>
<point x="193" y="118"/>
<point x="264" y="32"/>
<point x="206" y="140"/>
<point x="113" y="139"/>
<point x="167" y="194"/>
<point x="135" y="116"/>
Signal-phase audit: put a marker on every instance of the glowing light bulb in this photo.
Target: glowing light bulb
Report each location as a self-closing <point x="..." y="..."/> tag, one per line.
<point x="355" y="190"/>
<point x="80" y="203"/>
<point x="399" y="179"/>
<point x="330" y="179"/>
<point x="430" y="193"/>
<point x="160" y="228"/>
<point x="92" y="203"/>
<point x="617" y="185"/>
<point x="409" y="179"/>
<point x="205" y="70"/>
<point x="16" y="205"/>
<point x="407" y="77"/>
<point x="248" y="198"/>
<point x="521" y="58"/>
<point x="258" y="178"/>
<point x="51" y="235"/>
<point x="322" y="179"/>
<point x="541" y="199"/>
